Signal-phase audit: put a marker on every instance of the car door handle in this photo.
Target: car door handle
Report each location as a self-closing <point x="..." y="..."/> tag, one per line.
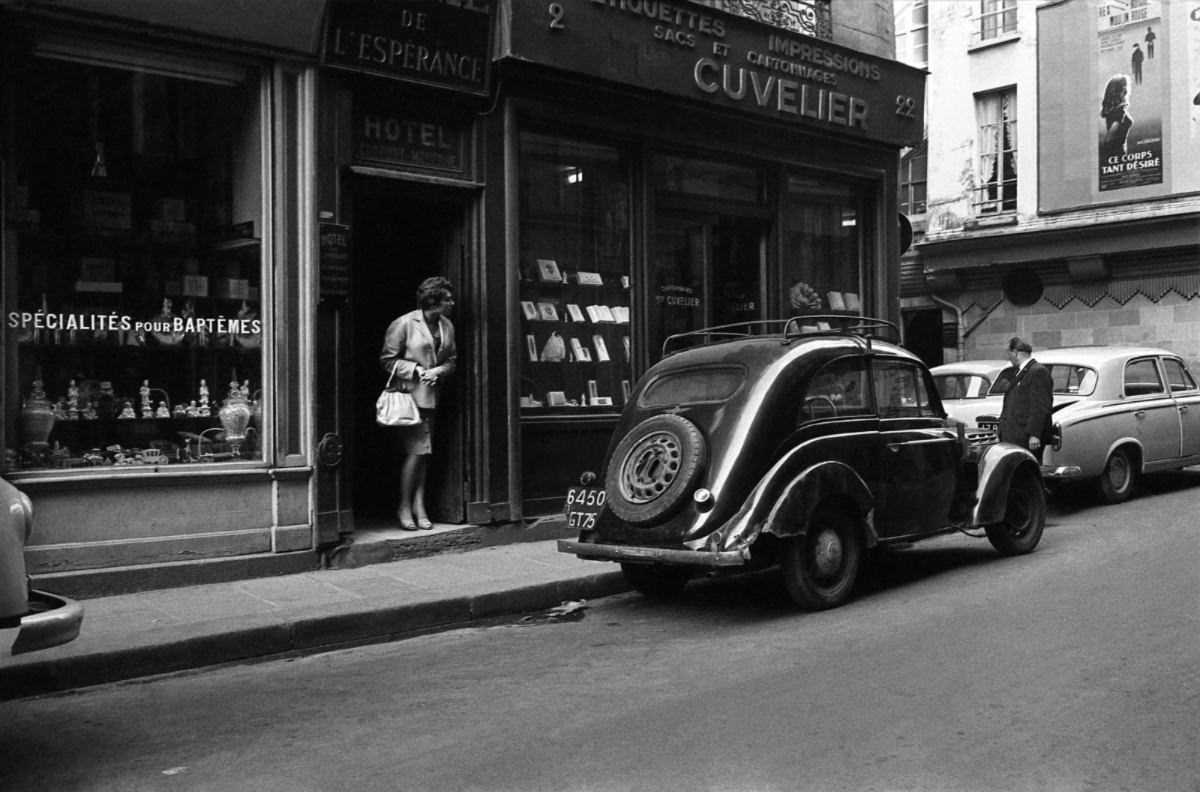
<point x="1183" y="408"/>
<point x="1140" y="414"/>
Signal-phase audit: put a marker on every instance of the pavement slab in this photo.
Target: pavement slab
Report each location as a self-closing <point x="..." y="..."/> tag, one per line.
<point x="168" y="630"/>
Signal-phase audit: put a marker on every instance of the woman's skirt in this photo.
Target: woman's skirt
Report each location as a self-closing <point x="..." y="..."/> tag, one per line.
<point x="417" y="440"/>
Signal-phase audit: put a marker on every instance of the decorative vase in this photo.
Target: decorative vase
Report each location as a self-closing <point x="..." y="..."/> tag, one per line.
<point x="234" y="416"/>
<point x="37" y="417"/>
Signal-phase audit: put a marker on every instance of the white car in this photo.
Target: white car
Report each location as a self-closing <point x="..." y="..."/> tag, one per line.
<point x="29" y="620"/>
<point x="1120" y="412"/>
<point x="973" y="390"/>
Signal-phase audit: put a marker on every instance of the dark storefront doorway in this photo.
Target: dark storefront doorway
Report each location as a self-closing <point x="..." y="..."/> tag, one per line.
<point x="707" y="270"/>
<point x="403" y="233"/>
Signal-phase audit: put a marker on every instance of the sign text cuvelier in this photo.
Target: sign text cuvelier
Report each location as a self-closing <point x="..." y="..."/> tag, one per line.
<point x="444" y="43"/>
<point x="687" y="49"/>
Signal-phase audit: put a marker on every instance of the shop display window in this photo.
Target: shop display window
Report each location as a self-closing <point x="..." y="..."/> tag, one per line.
<point x="822" y="271"/>
<point x="574" y="278"/>
<point x="709" y="251"/>
<point x="133" y="277"/>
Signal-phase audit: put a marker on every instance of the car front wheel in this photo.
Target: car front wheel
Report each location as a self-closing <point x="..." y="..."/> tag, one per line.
<point x="1116" y="482"/>
<point x="821" y="566"/>
<point x="657" y="581"/>
<point x="1024" y="516"/>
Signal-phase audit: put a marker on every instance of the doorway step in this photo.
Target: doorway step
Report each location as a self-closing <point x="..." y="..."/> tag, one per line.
<point x="377" y="542"/>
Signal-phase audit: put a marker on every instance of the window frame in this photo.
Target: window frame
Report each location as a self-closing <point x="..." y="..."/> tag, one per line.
<point x="996" y="196"/>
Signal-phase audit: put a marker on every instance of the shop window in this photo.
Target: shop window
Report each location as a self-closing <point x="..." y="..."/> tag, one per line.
<point x="914" y="169"/>
<point x="575" y="279"/>
<point x="706" y="263"/>
<point x="996" y="178"/>
<point x="822" y="271"/>
<point x="996" y="18"/>
<point x="697" y="178"/>
<point x="133" y="284"/>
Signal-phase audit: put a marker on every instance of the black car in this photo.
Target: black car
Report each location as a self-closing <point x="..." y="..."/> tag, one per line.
<point x="801" y="443"/>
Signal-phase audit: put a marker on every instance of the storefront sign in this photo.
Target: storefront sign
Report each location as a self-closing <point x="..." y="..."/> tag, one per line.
<point x="445" y="43"/>
<point x="691" y="50"/>
<point x="335" y="260"/>
<point x="393" y="139"/>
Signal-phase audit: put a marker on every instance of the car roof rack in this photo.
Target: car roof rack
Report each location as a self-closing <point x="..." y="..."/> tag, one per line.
<point x="786" y="329"/>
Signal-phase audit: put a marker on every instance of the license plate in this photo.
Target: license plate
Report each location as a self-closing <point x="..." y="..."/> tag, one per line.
<point x="989" y="426"/>
<point x="583" y="507"/>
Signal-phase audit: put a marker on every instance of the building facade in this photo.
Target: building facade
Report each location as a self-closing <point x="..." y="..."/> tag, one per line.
<point x="1062" y="214"/>
<point x="208" y="230"/>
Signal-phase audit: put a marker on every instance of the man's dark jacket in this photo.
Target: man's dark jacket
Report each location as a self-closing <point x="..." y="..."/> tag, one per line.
<point x="1027" y="404"/>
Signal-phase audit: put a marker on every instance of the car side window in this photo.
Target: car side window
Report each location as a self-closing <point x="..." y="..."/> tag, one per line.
<point x="900" y="390"/>
<point x="1003" y="381"/>
<point x="1177" y="376"/>
<point x="838" y="389"/>
<point x="1142" y="379"/>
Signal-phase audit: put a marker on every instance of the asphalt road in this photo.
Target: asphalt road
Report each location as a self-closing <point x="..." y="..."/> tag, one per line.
<point x="1070" y="669"/>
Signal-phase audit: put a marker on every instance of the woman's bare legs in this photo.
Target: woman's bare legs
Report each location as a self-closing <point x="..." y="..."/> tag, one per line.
<point x="412" y="488"/>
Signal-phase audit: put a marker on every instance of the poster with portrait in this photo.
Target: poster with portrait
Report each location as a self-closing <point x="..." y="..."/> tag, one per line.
<point x="1130" y="97"/>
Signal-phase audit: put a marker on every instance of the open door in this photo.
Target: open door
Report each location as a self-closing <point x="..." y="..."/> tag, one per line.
<point x="401" y="233"/>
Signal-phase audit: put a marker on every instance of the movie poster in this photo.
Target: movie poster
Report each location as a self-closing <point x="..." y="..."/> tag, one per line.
<point x="1131" y="94"/>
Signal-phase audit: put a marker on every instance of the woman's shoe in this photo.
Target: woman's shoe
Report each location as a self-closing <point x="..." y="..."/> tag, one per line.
<point x="424" y="524"/>
<point x="406" y="522"/>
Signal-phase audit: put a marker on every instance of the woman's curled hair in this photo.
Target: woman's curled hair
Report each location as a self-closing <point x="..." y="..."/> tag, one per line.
<point x="433" y="291"/>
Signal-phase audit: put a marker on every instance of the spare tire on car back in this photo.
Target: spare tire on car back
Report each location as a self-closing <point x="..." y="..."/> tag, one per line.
<point x="654" y="469"/>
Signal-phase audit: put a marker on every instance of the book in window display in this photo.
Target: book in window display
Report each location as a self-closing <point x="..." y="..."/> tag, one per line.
<point x="582" y="354"/>
<point x="601" y="348"/>
<point x="548" y="271"/>
<point x="547" y="312"/>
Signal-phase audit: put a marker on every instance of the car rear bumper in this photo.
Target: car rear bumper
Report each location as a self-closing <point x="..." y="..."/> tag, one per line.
<point x="52" y="620"/>
<point x="1061" y="472"/>
<point x="592" y="551"/>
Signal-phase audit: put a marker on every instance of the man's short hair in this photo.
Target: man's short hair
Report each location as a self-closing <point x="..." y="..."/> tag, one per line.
<point x="1017" y="344"/>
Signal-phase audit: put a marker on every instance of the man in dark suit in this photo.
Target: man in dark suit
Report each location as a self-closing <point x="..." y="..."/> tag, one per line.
<point x="1025" y="416"/>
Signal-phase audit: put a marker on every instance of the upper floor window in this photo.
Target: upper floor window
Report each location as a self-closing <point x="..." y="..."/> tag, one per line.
<point x="912" y="32"/>
<point x="996" y="18"/>
<point x="996" y="177"/>
<point x="913" y="173"/>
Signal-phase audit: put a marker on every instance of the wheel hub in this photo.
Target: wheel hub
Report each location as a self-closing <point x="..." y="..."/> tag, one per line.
<point x="827" y="552"/>
<point x="650" y="468"/>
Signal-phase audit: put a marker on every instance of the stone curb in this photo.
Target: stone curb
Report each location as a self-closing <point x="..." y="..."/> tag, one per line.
<point x="237" y="641"/>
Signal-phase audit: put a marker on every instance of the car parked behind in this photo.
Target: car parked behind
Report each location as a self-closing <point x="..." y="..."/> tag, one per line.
<point x="1120" y="412"/>
<point x="973" y="388"/>
<point x="29" y="620"/>
<point x="801" y="443"/>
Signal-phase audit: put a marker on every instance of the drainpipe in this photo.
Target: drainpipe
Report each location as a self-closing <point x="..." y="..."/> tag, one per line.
<point x="958" y="319"/>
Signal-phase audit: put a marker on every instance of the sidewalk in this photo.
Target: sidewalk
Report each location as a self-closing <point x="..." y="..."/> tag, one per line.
<point x="158" y="631"/>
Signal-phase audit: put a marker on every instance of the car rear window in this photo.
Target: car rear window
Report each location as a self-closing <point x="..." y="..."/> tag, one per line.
<point x="1072" y="380"/>
<point x="962" y="386"/>
<point x="713" y="384"/>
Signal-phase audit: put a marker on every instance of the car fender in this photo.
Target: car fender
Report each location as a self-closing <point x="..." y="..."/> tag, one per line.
<point x="997" y="466"/>
<point x="790" y="512"/>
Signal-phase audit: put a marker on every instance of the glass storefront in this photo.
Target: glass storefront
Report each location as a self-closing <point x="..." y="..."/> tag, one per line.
<point x="823" y="271"/>
<point x="134" y="260"/>
<point x="575" y="277"/>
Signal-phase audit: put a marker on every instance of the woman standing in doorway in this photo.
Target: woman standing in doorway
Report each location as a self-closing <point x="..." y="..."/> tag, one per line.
<point x="420" y="345"/>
